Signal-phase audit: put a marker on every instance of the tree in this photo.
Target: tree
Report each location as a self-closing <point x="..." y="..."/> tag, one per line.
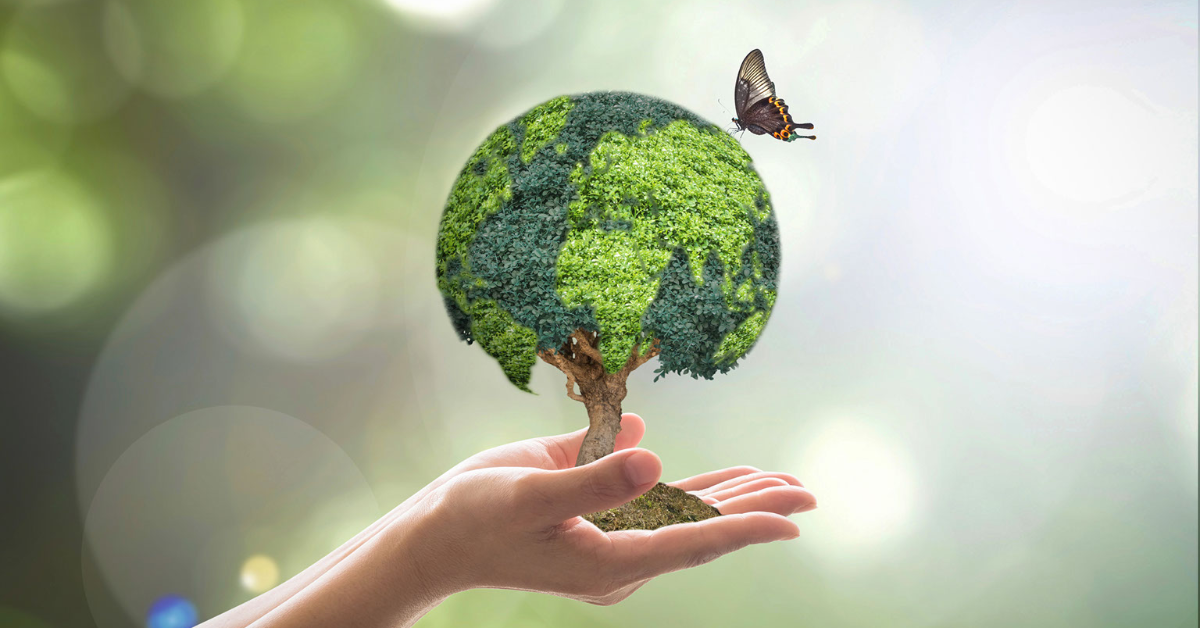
<point x="599" y="231"/>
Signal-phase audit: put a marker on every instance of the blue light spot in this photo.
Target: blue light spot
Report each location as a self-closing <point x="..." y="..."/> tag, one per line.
<point x="171" y="611"/>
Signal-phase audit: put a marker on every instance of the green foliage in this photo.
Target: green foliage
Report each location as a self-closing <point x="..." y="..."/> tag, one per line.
<point x="542" y="124"/>
<point x="482" y="186"/>
<point x="739" y="341"/>
<point x="512" y="345"/>
<point x="638" y="220"/>
<point x="681" y="186"/>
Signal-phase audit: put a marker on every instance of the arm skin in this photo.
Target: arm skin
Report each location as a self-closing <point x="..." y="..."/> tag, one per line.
<point x="434" y="544"/>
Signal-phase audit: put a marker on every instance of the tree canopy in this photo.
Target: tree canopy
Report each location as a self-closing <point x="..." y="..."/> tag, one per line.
<point x="614" y="213"/>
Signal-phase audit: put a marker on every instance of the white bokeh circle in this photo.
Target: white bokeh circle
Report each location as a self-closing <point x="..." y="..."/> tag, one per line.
<point x="176" y="513"/>
<point x="303" y="290"/>
<point x="1093" y="144"/>
<point x="440" y="15"/>
<point x="866" y="484"/>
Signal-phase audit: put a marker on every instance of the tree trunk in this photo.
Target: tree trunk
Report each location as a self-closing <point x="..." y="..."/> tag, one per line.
<point x="600" y="391"/>
<point x="603" y="403"/>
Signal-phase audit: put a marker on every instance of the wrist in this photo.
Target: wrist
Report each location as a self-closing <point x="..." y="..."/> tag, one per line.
<point x="426" y="559"/>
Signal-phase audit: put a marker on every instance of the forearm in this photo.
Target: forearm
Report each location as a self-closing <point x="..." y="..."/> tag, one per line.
<point x="379" y="583"/>
<point x="252" y="610"/>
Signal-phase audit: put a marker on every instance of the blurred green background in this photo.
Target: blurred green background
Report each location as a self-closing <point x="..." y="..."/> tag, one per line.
<point x="220" y="336"/>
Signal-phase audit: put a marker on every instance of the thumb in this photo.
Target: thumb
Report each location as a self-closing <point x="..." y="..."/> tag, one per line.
<point x="551" y="497"/>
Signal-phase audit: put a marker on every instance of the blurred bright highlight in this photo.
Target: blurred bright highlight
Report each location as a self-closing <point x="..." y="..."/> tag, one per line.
<point x="171" y="611"/>
<point x="181" y="507"/>
<point x="865" y="484"/>
<point x="293" y="62"/>
<point x="305" y="290"/>
<point x="54" y="60"/>
<point x="441" y="13"/>
<point x="260" y="573"/>
<point x="173" y="49"/>
<point x="55" y="244"/>
<point x="1088" y="144"/>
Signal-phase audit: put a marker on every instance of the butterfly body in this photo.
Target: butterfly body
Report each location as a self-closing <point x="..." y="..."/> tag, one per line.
<point x="758" y="109"/>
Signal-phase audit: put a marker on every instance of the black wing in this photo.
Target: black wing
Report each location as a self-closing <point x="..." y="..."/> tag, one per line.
<point x="752" y="84"/>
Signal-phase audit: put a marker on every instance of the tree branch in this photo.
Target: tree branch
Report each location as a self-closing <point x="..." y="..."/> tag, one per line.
<point x="584" y="345"/>
<point x="636" y="359"/>
<point x="571" y="388"/>
<point x="560" y="362"/>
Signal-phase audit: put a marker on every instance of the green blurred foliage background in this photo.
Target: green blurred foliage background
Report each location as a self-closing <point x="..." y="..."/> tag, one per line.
<point x="220" y="334"/>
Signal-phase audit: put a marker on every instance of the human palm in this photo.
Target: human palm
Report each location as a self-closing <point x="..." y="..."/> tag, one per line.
<point x="533" y="538"/>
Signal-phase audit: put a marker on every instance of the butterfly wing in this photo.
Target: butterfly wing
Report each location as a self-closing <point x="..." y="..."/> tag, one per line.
<point x="758" y="110"/>
<point x="753" y="85"/>
<point x="763" y="118"/>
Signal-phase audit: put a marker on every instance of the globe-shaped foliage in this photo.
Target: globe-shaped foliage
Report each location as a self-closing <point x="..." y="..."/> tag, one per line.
<point x="610" y="212"/>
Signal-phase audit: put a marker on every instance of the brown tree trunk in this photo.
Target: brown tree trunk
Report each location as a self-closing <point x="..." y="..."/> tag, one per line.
<point x="603" y="403"/>
<point x="600" y="392"/>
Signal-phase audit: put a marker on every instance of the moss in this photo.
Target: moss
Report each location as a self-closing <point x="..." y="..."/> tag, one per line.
<point x="660" y="506"/>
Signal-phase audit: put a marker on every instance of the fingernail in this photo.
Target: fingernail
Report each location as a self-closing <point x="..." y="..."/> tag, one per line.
<point x="641" y="468"/>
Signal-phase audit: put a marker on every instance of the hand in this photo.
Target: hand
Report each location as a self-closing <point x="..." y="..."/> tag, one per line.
<point x="508" y="518"/>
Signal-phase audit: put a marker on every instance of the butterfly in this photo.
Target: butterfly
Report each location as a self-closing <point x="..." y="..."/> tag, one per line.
<point x="758" y="110"/>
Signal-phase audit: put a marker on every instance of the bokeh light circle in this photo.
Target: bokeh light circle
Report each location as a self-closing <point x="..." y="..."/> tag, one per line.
<point x="181" y="347"/>
<point x="511" y="25"/>
<point x="441" y="14"/>
<point x="259" y="573"/>
<point x="171" y="611"/>
<point x="55" y="243"/>
<point x="173" y="49"/>
<point x="27" y="141"/>
<point x="54" y="61"/>
<point x="294" y="61"/>
<point x="304" y="290"/>
<point x="865" y="482"/>
<point x="182" y="508"/>
<point x="1092" y="144"/>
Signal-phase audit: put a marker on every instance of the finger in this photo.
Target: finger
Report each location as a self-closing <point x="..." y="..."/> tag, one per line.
<point x="565" y="447"/>
<point x="551" y="497"/>
<point x="781" y="500"/>
<point x="620" y="594"/>
<point x="749" y="477"/>
<point x="648" y="554"/>
<point x="633" y="428"/>
<point x="705" y="480"/>
<point x="745" y="487"/>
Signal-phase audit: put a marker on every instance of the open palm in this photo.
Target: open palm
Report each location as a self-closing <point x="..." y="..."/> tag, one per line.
<point x="534" y="538"/>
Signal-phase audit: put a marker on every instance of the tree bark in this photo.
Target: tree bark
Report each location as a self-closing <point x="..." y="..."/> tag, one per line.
<point x="600" y="392"/>
<point x="603" y="403"/>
